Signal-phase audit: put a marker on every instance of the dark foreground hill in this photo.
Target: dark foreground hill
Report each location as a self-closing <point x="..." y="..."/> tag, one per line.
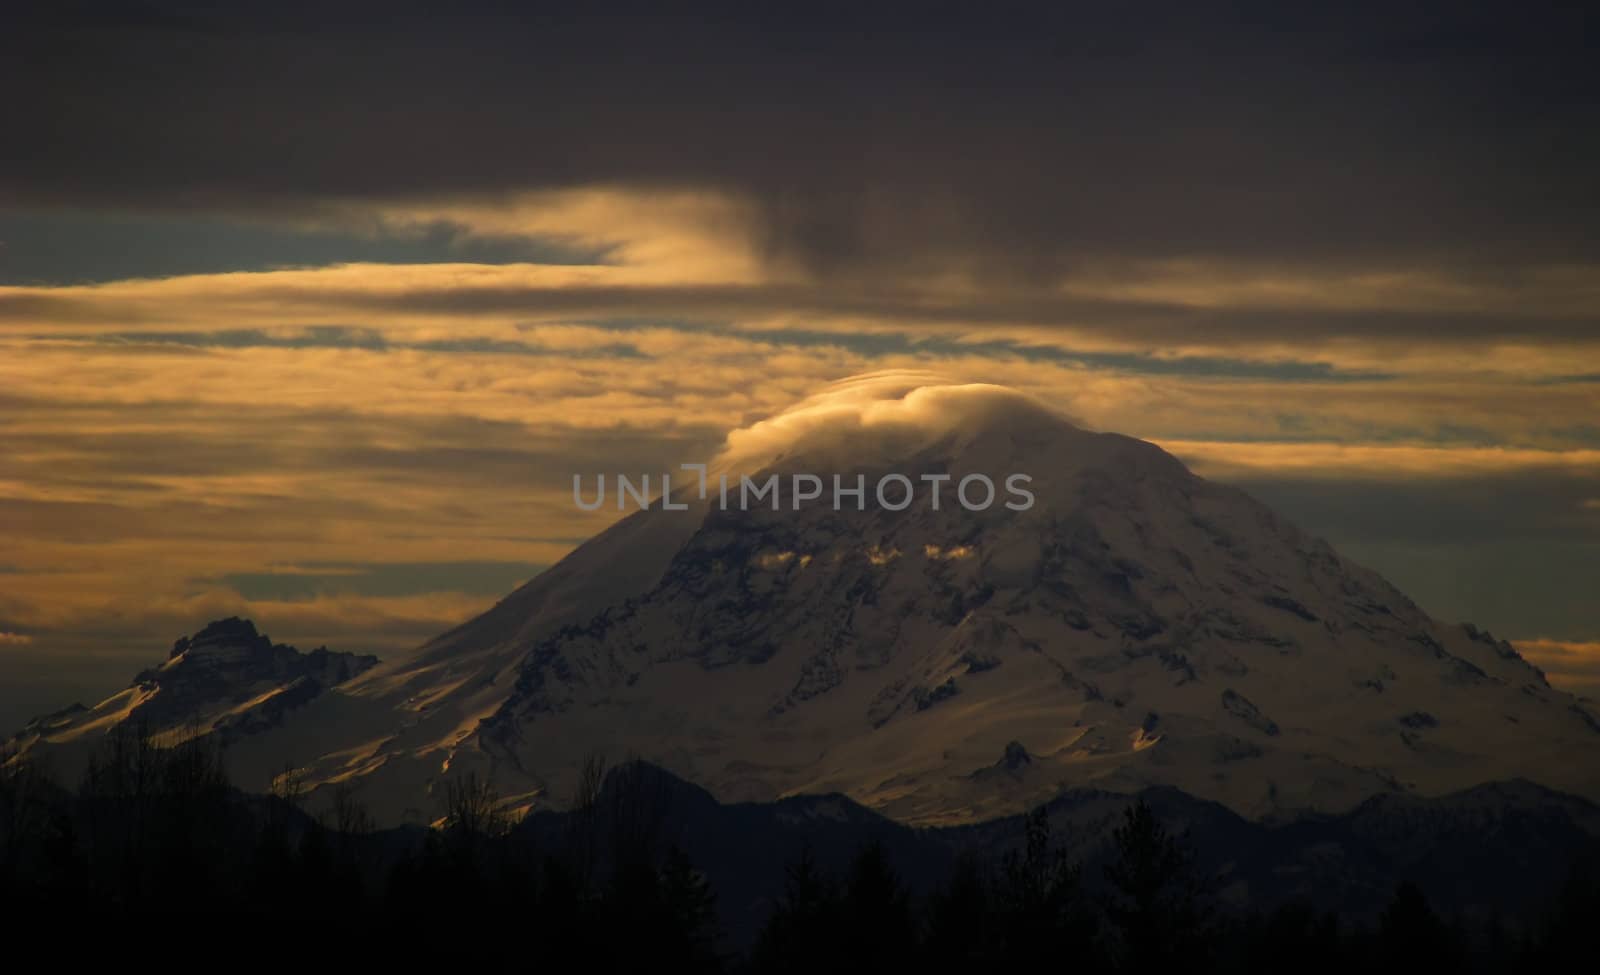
<point x="646" y="868"/>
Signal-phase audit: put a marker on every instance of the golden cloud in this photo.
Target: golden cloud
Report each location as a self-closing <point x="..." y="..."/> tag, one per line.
<point x="1573" y="665"/>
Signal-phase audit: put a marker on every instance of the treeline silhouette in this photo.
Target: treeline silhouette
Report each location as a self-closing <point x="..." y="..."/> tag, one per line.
<point x="154" y="842"/>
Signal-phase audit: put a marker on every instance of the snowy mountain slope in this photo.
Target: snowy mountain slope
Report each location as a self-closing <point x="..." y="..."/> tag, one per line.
<point x="1139" y="626"/>
<point x="400" y="727"/>
<point x="226" y="680"/>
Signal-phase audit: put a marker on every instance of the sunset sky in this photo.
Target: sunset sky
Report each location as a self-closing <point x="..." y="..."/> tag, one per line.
<point x="312" y="315"/>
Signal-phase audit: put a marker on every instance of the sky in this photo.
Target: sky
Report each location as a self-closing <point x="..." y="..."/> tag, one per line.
<point x="310" y="313"/>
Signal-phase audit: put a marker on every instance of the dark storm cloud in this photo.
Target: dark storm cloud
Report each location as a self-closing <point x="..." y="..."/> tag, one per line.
<point x="1012" y="141"/>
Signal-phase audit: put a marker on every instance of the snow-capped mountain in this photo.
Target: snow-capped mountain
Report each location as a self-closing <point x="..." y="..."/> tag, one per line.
<point x="226" y="680"/>
<point x="1136" y="626"/>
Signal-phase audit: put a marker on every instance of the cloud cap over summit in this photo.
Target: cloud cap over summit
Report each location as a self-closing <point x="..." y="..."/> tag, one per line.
<point x="877" y="417"/>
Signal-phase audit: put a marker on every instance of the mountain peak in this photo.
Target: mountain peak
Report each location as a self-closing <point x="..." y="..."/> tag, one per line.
<point x="227" y="678"/>
<point x="234" y="632"/>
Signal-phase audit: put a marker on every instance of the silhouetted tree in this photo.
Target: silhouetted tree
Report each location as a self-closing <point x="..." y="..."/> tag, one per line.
<point x="666" y="913"/>
<point x="803" y="933"/>
<point x="158" y="820"/>
<point x="1569" y="941"/>
<point x="960" y="921"/>
<point x="472" y="821"/>
<point x="1411" y="936"/>
<point x="1155" y="903"/>
<point x="26" y="816"/>
<point x="637" y="799"/>
<point x="348" y="826"/>
<point x="876" y="922"/>
<point x="1037" y="900"/>
<point x="155" y="827"/>
<point x="274" y="877"/>
<point x="1295" y="936"/>
<point x="582" y="840"/>
<point x="347" y="816"/>
<point x="691" y="905"/>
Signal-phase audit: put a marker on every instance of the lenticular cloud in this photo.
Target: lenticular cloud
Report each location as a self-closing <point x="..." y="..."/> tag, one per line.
<point x="877" y="416"/>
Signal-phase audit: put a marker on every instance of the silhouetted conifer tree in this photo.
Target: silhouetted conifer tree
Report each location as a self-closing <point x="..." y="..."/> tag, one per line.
<point x="1570" y="941"/>
<point x="691" y="906"/>
<point x="876" y="923"/>
<point x="803" y="933"/>
<point x="1295" y="937"/>
<point x="960" y="922"/>
<point x="1155" y="903"/>
<point x="1040" y="915"/>
<point x="1411" y="937"/>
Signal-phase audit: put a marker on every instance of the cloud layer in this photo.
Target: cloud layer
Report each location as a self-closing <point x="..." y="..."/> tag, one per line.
<point x="859" y="139"/>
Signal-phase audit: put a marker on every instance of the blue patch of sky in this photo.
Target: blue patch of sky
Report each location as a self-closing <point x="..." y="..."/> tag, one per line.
<point x="868" y="344"/>
<point x="886" y="343"/>
<point x="59" y="248"/>
<point x="347" y="337"/>
<point x="336" y="336"/>
<point x="1585" y="434"/>
<point x="1575" y="378"/>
